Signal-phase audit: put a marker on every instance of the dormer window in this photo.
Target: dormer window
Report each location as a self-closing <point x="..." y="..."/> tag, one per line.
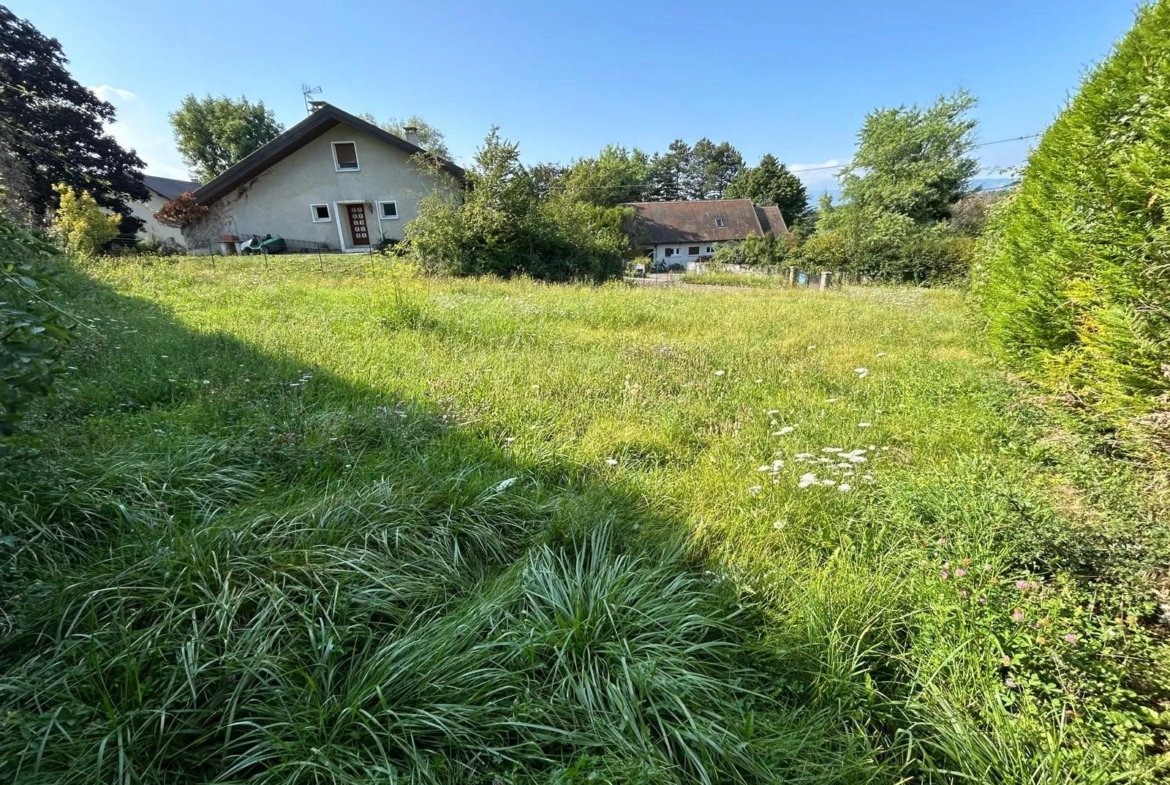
<point x="719" y="222"/>
<point x="345" y="157"/>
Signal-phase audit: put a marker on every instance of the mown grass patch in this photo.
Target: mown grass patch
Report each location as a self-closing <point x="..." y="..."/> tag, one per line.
<point x="287" y="526"/>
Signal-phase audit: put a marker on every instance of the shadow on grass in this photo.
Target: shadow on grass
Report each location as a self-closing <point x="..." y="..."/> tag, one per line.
<point x="223" y="565"/>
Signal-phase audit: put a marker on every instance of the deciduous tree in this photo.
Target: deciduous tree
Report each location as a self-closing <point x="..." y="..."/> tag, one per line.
<point x="212" y="134"/>
<point x="430" y="138"/>
<point x="52" y="130"/>
<point x="615" y="176"/>
<point x="914" y="162"/>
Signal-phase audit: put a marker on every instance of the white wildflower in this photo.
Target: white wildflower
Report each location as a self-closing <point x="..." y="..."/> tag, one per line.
<point x="844" y="487"/>
<point x="862" y="372"/>
<point x="787" y="429"/>
<point x="881" y="354"/>
<point x="611" y="462"/>
<point x="764" y="468"/>
<point x="755" y="490"/>
<point x="832" y="449"/>
<point x="807" y="480"/>
<point x="828" y="482"/>
<point x="720" y="373"/>
<point x="504" y="485"/>
<point x="864" y="425"/>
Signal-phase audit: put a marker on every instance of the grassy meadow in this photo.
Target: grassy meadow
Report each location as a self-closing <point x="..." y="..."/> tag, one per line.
<point x="286" y="525"/>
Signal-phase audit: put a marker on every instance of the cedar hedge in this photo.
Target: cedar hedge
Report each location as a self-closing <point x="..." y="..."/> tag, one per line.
<point x="1075" y="272"/>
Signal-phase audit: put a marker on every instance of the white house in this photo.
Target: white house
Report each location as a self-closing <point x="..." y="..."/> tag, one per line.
<point x="331" y="180"/>
<point x="162" y="190"/>
<point x="683" y="233"/>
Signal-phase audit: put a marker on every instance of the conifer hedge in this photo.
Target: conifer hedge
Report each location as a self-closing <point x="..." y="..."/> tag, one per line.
<point x="1075" y="274"/>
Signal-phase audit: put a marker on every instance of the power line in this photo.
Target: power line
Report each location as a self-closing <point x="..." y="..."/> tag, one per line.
<point x="981" y="144"/>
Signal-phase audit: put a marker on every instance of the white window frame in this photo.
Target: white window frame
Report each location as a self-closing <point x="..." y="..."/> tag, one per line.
<point x="337" y="166"/>
<point x="313" y="213"/>
<point x="718" y="221"/>
<point x="384" y="217"/>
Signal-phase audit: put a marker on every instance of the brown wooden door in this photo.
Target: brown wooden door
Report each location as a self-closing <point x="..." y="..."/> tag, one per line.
<point x="358" y="231"/>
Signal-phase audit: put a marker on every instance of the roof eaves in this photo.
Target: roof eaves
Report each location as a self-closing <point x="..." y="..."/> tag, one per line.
<point x="293" y="139"/>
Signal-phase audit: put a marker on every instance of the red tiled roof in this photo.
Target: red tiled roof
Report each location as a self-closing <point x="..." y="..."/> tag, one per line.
<point x="681" y="222"/>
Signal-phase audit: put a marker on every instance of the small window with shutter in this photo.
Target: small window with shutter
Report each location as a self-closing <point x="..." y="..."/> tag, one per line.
<point x="345" y="156"/>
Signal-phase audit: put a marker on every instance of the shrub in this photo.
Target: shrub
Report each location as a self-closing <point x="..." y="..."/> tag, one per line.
<point x="502" y="227"/>
<point x="888" y="246"/>
<point x="753" y="251"/>
<point x="79" y="223"/>
<point x="825" y="250"/>
<point x="181" y="211"/>
<point x="32" y="331"/>
<point x="1073" y="277"/>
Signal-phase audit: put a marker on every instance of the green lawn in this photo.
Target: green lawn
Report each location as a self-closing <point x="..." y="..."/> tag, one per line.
<point x="285" y="525"/>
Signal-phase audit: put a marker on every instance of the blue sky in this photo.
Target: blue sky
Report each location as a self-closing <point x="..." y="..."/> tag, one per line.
<point x="563" y="79"/>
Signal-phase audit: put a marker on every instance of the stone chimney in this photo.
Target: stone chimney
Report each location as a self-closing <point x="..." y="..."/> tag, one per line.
<point x="411" y="134"/>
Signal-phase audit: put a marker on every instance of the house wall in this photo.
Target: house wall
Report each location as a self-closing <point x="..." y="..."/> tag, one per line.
<point x="151" y="228"/>
<point x="278" y="200"/>
<point x="681" y="254"/>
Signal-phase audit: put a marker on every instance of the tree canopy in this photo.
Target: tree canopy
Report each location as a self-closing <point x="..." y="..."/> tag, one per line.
<point x="914" y="162"/>
<point x="430" y="138"/>
<point x="771" y="183"/>
<point x="212" y="134"/>
<point x="52" y="132"/>
<point x="615" y="176"/>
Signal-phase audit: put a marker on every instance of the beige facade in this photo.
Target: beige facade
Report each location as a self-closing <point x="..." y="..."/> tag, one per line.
<point x="151" y="228"/>
<point x="306" y="196"/>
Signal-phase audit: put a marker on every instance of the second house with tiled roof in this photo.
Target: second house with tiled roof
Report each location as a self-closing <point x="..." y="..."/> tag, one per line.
<point x="678" y="234"/>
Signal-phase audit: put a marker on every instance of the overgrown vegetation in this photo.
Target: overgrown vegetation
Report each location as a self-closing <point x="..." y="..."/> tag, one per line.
<point x="32" y="329"/>
<point x="501" y="225"/>
<point x="1075" y="280"/>
<point x="79" y="224"/>
<point x="282" y="526"/>
<point x="911" y="167"/>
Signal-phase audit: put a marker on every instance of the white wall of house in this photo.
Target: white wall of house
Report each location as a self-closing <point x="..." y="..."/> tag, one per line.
<point x="151" y="228"/>
<point x="281" y="200"/>
<point x="683" y="253"/>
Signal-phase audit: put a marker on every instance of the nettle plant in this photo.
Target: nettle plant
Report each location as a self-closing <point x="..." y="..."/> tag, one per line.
<point x="1056" y="642"/>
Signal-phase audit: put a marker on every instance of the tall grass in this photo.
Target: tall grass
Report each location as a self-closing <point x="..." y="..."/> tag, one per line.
<point x="275" y="529"/>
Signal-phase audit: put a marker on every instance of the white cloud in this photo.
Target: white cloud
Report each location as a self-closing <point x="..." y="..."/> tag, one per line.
<point x="813" y="175"/>
<point x="140" y="128"/>
<point x="107" y="93"/>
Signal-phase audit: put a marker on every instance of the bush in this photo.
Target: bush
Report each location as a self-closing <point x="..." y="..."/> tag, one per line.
<point x="79" y="223"/>
<point x="1073" y="277"/>
<point x="753" y="251"/>
<point x="502" y="227"/>
<point x="32" y="331"/>
<point x="181" y="211"/>
<point x="888" y="246"/>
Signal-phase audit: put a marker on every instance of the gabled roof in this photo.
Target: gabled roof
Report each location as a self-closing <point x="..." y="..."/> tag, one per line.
<point x="681" y="222"/>
<point x="772" y="220"/>
<point x="313" y="126"/>
<point x="166" y="187"/>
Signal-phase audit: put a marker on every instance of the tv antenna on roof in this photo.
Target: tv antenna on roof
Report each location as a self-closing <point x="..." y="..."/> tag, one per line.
<point x="307" y="91"/>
